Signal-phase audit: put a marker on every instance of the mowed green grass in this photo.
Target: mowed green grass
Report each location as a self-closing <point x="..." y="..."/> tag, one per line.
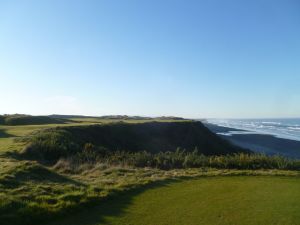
<point x="215" y="200"/>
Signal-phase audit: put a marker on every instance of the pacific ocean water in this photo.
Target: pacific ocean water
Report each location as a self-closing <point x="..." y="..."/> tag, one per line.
<point x="288" y="128"/>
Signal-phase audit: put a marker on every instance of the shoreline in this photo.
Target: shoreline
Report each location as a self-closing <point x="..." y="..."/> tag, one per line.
<point x="260" y="143"/>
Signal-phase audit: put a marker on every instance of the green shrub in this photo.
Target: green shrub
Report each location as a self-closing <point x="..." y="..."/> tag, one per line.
<point x="182" y="159"/>
<point x="2" y="119"/>
<point x="50" y="146"/>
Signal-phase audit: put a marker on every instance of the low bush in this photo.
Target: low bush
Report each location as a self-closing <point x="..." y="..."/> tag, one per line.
<point x="182" y="159"/>
<point x="50" y="146"/>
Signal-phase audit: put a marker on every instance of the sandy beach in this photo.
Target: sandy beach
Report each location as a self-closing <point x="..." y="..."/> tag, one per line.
<point x="263" y="143"/>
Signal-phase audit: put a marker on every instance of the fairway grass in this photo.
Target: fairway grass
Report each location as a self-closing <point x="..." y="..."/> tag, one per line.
<point x="214" y="200"/>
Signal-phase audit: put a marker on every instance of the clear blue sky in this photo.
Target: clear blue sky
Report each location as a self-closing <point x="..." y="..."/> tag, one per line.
<point x="159" y="57"/>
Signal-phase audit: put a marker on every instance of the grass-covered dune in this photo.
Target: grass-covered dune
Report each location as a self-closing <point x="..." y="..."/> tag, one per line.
<point x="20" y="119"/>
<point x="153" y="137"/>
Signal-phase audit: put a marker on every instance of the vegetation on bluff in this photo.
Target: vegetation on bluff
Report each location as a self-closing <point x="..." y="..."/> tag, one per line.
<point x="178" y="159"/>
<point x="19" y="119"/>
<point x="155" y="145"/>
<point x="153" y="137"/>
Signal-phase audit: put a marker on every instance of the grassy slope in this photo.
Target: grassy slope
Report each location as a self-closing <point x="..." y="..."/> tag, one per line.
<point x="34" y="188"/>
<point x="152" y="137"/>
<point x="30" y="192"/>
<point x="9" y="135"/>
<point x="218" y="200"/>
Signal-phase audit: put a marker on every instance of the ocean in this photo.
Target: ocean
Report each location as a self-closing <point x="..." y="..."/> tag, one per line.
<point x="282" y="128"/>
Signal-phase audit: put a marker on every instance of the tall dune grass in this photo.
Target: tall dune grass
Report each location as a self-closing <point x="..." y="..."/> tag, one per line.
<point x="181" y="159"/>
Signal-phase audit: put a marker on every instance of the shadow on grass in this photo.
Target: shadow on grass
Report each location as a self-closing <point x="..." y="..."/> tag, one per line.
<point x="3" y="134"/>
<point x="113" y="206"/>
<point x="34" y="173"/>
